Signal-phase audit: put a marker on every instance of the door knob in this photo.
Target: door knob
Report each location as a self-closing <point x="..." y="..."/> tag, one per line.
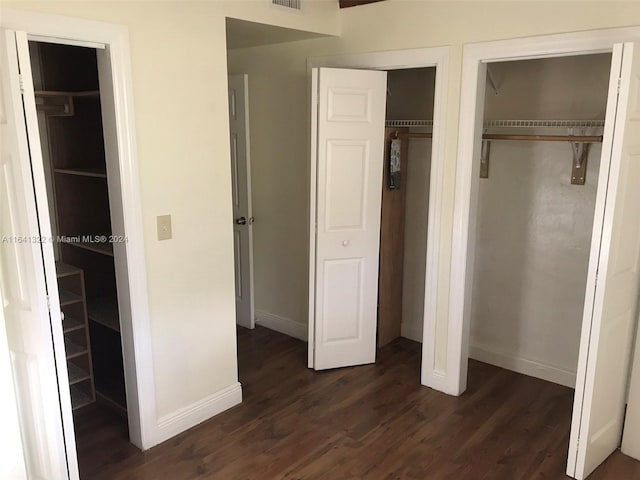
<point x="241" y="221"/>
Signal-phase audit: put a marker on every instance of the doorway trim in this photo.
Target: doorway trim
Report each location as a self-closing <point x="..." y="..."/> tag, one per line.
<point x="437" y="57"/>
<point x="475" y="59"/>
<point x="135" y="325"/>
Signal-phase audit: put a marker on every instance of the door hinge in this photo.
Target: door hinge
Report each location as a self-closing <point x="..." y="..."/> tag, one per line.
<point x="21" y="84"/>
<point x="49" y="303"/>
<point x="619" y="84"/>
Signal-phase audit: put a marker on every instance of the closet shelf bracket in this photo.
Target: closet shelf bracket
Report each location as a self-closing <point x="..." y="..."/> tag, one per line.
<point x="579" y="169"/>
<point x="579" y="148"/>
<point x="484" y="159"/>
<point x="492" y="81"/>
<point x="55" y="106"/>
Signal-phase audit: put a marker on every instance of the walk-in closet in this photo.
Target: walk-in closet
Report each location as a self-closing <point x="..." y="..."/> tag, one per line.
<point x="67" y="95"/>
<point x="405" y="203"/>
<point x="541" y="148"/>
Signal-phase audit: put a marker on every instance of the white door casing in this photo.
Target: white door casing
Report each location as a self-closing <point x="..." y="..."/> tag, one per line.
<point x="605" y="349"/>
<point x="432" y="374"/>
<point x="241" y="192"/>
<point x="22" y="275"/>
<point x="350" y="141"/>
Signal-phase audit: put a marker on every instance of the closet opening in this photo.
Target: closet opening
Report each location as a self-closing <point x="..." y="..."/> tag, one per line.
<point x="405" y="204"/>
<point x="81" y="188"/>
<point x="536" y="198"/>
<point x="376" y="151"/>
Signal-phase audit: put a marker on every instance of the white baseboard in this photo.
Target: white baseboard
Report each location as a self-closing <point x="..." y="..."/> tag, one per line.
<point x="187" y="417"/>
<point x="411" y="331"/>
<point x="544" y="371"/>
<point x="283" y="325"/>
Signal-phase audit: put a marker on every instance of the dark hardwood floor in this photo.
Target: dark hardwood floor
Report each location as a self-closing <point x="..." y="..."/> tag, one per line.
<point x="370" y="422"/>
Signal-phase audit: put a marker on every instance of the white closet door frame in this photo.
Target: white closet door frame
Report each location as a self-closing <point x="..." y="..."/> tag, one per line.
<point x="432" y="375"/>
<point x="475" y="60"/>
<point x="118" y="121"/>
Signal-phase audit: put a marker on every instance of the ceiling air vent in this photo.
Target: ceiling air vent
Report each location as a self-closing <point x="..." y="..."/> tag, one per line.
<point x="289" y="4"/>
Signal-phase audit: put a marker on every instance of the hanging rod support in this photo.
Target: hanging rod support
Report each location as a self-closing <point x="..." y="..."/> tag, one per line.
<point x="484" y="159"/>
<point x="579" y="148"/>
<point x="492" y="81"/>
<point x="579" y="168"/>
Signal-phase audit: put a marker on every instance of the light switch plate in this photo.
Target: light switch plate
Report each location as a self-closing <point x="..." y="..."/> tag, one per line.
<point x="164" y="227"/>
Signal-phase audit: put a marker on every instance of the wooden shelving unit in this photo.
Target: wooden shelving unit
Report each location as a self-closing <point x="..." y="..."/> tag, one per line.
<point x="83" y="172"/>
<point x="61" y="103"/>
<point x="105" y="312"/>
<point x="76" y="334"/>
<point x="69" y="95"/>
<point x="55" y="93"/>
<point x="101" y="248"/>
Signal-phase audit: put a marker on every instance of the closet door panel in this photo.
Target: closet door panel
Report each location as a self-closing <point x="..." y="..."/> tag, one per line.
<point x="603" y="376"/>
<point x="350" y="142"/>
<point x="26" y="314"/>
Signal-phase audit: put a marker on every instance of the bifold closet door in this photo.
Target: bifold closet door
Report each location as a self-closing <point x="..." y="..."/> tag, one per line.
<point x="347" y="186"/>
<point x="611" y="305"/>
<point x="22" y="272"/>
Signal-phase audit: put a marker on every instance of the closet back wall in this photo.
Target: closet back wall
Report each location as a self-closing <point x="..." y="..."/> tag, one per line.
<point x="410" y="93"/>
<point x="415" y="237"/>
<point x="534" y="227"/>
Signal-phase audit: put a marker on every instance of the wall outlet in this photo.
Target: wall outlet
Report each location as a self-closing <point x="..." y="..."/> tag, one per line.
<point x="164" y="227"/>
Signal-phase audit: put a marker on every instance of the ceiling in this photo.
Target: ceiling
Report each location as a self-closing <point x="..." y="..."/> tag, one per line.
<point x="243" y="34"/>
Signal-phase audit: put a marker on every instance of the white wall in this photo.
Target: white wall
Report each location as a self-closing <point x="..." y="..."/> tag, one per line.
<point x="416" y="181"/>
<point x="534" y="227"/>
<point x="410" y="93"/>
<point x="550" y="88"/>
<point x="532" y="253"/>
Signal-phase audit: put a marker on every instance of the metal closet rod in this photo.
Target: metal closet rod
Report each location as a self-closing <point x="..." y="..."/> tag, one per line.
<point x="545" y="138"/>
<point x="413" y="135"/>
<point x="526" y="138"/>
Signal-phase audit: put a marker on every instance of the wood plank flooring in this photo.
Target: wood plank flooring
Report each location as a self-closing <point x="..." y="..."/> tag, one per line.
<point x="368" y="422"/>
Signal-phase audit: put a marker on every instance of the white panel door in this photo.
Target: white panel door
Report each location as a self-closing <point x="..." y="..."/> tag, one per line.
<point x="631" y="438"/>
<point x="350" y="142"/>
<point x="603" y="368"/>
<point x="241" y="191"/>
<point x="22" y="278"/>
<point x="12" y="465"/>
